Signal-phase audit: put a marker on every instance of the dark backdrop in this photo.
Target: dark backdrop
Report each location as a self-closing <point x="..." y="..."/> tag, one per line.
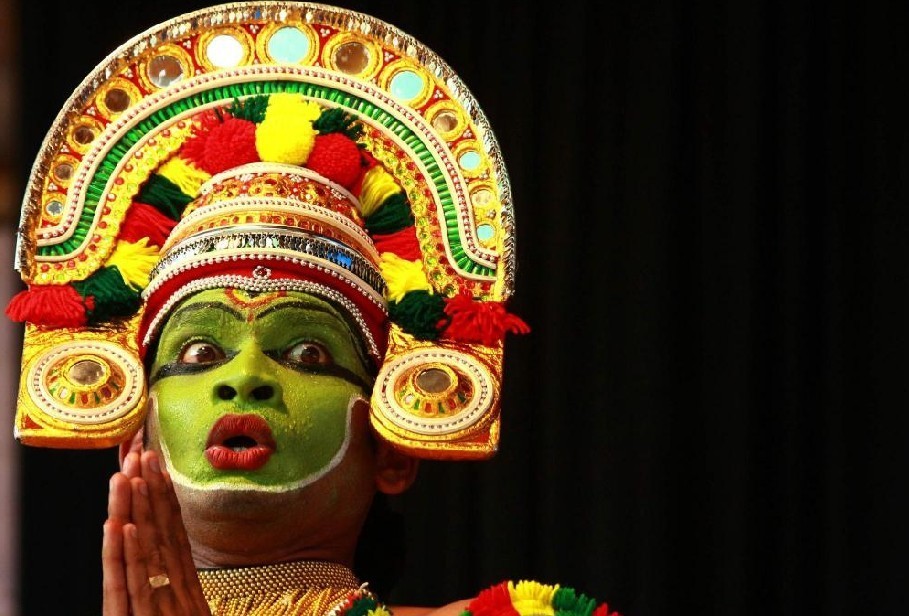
<point x="709" y="416"/>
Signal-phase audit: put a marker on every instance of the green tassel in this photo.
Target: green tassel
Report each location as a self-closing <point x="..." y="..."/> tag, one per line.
<point x="252" y="109"/>
<point x="393" y="215"/>
<point x="418" y="313"/>
<point x="361" y="607"/>
<point x="335" y="120"/>
<point x="113" y="297"/>
<point x="164" y="195"/>
<point x="568" y="603"/>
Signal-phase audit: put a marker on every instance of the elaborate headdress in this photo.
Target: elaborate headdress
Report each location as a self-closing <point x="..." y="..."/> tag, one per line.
<point x="269" y="146"/>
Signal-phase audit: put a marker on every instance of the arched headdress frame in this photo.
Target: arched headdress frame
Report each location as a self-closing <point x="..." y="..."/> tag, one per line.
<point x="423" y="246"/>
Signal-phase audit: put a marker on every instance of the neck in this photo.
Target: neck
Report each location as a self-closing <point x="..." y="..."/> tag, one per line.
<point x="252" y="529"/>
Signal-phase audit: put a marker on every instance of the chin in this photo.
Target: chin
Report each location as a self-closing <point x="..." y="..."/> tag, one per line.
<point x="249" y="501"/>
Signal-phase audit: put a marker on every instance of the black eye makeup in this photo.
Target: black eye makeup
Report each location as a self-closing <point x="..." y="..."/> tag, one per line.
<point x="195" y="356"/>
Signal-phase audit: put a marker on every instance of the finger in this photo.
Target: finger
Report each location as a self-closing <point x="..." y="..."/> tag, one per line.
<point x="181" y="539"/>
<point x="115" y="597"/>
<point x="118" y="499"/>
<point x="140" y="591"/>
<point x="175" y="553"/>
<point x="148" y="533"/>
<point x="131" y="464"/>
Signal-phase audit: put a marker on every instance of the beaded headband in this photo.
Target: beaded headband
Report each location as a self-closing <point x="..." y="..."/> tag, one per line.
<point x="269" y="146"/>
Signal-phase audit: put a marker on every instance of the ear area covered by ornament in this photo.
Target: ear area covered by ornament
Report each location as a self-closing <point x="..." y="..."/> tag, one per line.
<point x="269" y="147"/>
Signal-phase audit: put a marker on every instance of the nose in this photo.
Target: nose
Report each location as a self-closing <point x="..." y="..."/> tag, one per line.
<point x="248" y="380"/>
<point x="256" y="393"/>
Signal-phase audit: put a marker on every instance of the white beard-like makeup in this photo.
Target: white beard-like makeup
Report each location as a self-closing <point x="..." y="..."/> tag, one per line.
<point x="183" y="481"/>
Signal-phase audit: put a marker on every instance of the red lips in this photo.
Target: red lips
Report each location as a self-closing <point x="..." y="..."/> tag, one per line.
<point x="239" y="442"/>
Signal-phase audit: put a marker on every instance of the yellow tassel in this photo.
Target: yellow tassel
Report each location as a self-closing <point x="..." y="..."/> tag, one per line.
<point x="134" y="261"/>
<point x="286" y="134"/>
<point x="184" y="174"/>
<point x="378" y="185"/>
<point x="402" y="276"/>
<point x="532" y="598"/>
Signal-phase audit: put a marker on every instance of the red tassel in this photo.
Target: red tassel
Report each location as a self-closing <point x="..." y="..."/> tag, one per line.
<point x="51" y="306"/>
<point x="478" y="321"/>
<point x="493" y="601"/>
<point x="603" y="610"/>
<point x="145" y="221"/>
<point x="403" y="243"/>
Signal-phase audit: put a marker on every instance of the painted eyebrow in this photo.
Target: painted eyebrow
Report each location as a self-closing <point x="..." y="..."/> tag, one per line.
<point x="207" y="306"/>
<point x="302" y="305"/>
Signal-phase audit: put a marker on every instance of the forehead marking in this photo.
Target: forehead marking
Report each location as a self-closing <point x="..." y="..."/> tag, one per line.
<point x="240" y="299"/>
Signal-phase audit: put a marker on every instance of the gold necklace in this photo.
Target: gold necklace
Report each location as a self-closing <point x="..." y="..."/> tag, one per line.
<point x="283" y="589"/>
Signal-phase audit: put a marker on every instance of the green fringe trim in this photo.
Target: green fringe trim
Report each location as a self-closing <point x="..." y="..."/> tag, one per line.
<point x="252" y="109"/>
<point x="164" y="195"/>
<point x="566" y="602"/>
<point x="393" y="215"/>
<point x="418" y="313"/>
<point x="113" y="297"/>
<point x="361" y="607"/>
<point x="335" y="120"/>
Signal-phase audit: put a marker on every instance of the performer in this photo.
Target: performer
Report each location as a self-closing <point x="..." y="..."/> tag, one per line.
<point x="268" y="249"/>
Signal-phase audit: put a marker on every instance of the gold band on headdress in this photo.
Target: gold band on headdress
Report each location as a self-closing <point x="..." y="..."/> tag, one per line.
<point x="269" y="146"/>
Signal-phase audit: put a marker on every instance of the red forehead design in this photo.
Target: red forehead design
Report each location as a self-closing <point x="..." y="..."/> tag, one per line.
<point x="240" y="299"/>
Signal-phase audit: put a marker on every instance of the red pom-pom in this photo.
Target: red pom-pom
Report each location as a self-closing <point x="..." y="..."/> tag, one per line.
<point x="603" y="610"/>
<point x="145" y="221"/>
<point x="402" y="243"/>
<point x="337" y="157"/>
<point x="479" y="322"/>
<point x="367" y="162"/>
<point x="220" y="146"/>
<point x="493" y="601"/>
<point x="51" y="306"/>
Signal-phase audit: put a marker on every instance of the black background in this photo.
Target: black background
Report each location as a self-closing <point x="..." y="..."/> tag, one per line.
<point x="709" y="416"/>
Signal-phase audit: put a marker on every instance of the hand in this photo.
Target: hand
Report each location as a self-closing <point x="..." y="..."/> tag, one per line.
<point x="145" y="542"/>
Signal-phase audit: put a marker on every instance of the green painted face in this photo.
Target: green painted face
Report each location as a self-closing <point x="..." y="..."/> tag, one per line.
<point x="255" y="392"/>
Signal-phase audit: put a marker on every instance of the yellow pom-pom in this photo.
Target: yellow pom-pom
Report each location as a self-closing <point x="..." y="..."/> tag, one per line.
<point x="286" y="134"/>
<point x="135" y="261"/>
<point x="184" y="174"/>
<point x="532" y="598"/>
<point x="402" y="276"/>
<point x="378" y="185"/>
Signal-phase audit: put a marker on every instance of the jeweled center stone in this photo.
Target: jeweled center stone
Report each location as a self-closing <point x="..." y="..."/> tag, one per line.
<point x="86" y="372"/>
<point x="445" y="121"/>
<point x="433" y="381"/>
<point x="352" y="57"/>
<point x="54" y="208"/>
<point x="116" y="100"/>
<point x="225" y="51"/>
<point x="288" y="45"/>
<point x="63" y="172"/>
<point x="83" y="135"/>
<point x="164" y="70"/>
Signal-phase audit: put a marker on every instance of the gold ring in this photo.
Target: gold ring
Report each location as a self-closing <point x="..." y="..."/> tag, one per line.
<point x="157" y="581"/>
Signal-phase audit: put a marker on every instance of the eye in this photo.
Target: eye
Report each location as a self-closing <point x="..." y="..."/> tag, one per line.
<point x="201" y="353"/>
<point x="308" y="353"/>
